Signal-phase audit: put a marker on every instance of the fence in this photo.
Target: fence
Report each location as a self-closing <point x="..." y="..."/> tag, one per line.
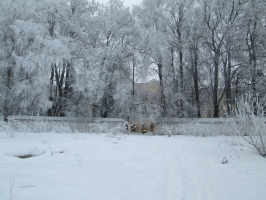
<point x="216" y="124"/>
<point x="76" y="124"/>
<point x="85" y="125"/>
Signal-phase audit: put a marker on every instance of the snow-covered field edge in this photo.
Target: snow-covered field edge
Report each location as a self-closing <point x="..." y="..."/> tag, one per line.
<point x="122" y="166"/>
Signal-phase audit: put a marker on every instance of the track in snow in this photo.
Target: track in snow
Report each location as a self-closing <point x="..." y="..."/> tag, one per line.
<point x="183" y="180"/>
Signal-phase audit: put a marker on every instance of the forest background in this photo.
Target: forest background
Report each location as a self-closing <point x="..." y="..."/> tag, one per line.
<point x="83" y="58"/>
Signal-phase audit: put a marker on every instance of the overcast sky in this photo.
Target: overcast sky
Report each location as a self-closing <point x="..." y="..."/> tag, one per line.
<point x="127" y="3"/>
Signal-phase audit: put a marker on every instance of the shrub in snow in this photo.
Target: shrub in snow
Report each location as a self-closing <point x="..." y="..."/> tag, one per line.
<point x="196" y="129"/>
<point x="34" y="126"/>
<point x="11" y="185"/>
<point x="192" y="128"/>
<point x="99" y="127"/>
<point x="9" y="127"/>
<point x="119" y="129"/>
<point x="247" y="121"/>
<point x="102" y="127"/>
<point x="78" y="158"/>
<point x="169" y="130"/>
<point x="60" y="127"/>
<point x="45" y="142"/>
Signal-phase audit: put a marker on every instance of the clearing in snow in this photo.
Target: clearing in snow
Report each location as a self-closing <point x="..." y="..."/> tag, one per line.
<point x="135" y="167"/>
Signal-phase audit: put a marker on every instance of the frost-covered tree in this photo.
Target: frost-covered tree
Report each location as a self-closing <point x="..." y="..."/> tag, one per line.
<point x="253" y="34"/>
<point x="183" y="83"/>
<point x="176" y="24"/>
<point x="218" y="20"/>
<point x="194" y="46"/>
<point x="107" y="64"/>
<point x="82" y="58"/>
<point x="68" y="22"/>
<point x="154" y="41"/>
<point x="55" y="19"/>
<point x="23" y="71"/>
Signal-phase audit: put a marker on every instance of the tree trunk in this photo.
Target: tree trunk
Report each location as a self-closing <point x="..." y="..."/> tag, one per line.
<point x="163" y="108"/>
<point x="196" y="78"/>
<point x="215" y="85"/>
<point x="50" y="110"/>
<point x="193" y="49"/>
<point x="250" y="41"/>
<point x="181" y="68"/>
<point x="59" y="77"/>
<point x="7" y="94"/>
<point x="227" y="79"/>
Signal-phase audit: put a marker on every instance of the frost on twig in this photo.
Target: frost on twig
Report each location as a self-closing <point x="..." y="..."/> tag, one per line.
<point x="247" y="120"/>
<point x="169" y="130"/>
<point x="46" y="142"/>
<point x="78" y="158"/>
<point x="11" y="185"/>
<point x="100" y="127"/>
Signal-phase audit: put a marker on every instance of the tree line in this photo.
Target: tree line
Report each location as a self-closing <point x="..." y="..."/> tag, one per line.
<point x="82" y="58"/>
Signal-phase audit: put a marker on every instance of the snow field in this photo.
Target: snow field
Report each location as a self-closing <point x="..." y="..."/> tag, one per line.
<point x="118" y="167"/>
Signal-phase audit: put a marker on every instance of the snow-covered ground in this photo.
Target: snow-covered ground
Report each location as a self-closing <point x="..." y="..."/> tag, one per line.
<point x="132" y="167"/>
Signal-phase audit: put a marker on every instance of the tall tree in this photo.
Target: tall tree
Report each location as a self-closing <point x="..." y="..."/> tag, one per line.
<point x="194" y="47"/>
<point x="219" y="17"/>
<point x="254" y="22"/>
<point x="23" y="70"/>
<point x="154" y="41"/>
<point x="179" y="16"/>
<point x="110" y="56"/>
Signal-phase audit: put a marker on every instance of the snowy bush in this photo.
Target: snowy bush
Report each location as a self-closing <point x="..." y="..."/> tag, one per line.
<point x="247" y="121"/>
<point x="103" y="127"/>
<point x="196" y="129"/>
<point x="60" y="127"/>
<point x="191" y="128"/>
<point x="44" y="126"/>
<point x="78" y="158"/>
<point x="169" y="130"/>
<point x="119" y="129"/>
<point x="10" y="127"/>
<point x="99" y="127"/>
<point x="34" y="126"/>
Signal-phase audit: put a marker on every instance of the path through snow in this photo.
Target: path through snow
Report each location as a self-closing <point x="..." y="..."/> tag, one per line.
<point x="119" y="167"/>
<point x="183" y="180"/>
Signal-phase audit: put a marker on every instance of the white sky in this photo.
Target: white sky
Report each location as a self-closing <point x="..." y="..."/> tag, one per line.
<point x="127" y="3"/>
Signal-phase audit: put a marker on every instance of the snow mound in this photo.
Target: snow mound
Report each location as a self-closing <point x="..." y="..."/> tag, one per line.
<point x="34" y="151"/>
